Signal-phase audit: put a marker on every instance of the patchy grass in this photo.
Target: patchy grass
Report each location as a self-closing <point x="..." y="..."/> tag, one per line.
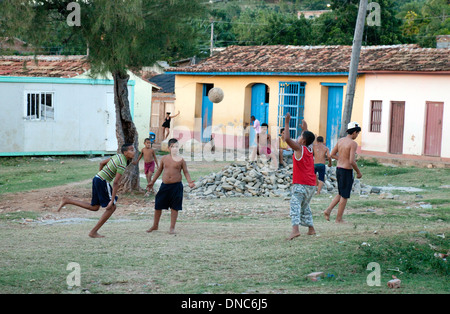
<point x="24" y="174"/>
<point x="233" y="245"/>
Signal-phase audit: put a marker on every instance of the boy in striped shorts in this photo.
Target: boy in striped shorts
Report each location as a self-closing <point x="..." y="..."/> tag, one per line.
<point x="102" y="193"/>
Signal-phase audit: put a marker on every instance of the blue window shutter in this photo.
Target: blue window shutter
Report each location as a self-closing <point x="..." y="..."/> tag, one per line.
<point x="291" y="98"/>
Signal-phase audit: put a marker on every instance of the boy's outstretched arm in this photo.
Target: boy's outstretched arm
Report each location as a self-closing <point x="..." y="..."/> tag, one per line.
<point x="353" y="160"/>
<point x="187" y="175"/>
<point x="304" y="125"/>
<point x="334" y="152"/>
<point x="137" y="160"/>
<point x="287" y="137"/>
<point x="156" y="159"/>
<point x="156" y="176"/>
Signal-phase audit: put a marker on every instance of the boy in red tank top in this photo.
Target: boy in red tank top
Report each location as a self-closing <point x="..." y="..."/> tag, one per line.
<point x="303" y="179"/>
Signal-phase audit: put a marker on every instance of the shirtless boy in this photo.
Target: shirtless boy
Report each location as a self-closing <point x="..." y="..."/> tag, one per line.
<point x="170" y="194"/>
<point x="344" y="152"/>
<point x="149" y="159"/>
<point x="321" y="153"/>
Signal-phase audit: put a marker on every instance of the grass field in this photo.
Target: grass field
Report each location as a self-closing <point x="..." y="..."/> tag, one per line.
<point x="233" y="245"/>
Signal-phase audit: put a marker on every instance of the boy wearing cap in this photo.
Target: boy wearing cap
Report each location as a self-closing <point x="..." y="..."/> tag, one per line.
<point x="344" y="152"/>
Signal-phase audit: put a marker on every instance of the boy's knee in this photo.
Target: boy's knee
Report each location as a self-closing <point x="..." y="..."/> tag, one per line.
<point x="112" y="208"/>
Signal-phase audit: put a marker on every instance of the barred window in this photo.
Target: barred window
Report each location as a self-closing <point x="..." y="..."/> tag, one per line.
<point x="375" y="116"/>
<point x="39" y="106"/>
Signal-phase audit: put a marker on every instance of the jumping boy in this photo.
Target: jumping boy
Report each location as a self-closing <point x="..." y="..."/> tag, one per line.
<point x="303" y="179"/>
<point x="321" y="153"/>
<point x="102" y="193"/>
<point x="170" y="194"/>
<point x="149" y="159"/>
<point x="344" y="152"/>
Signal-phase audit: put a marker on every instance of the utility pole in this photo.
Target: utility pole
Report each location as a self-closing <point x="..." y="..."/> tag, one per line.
<point x="354" y="62"/>
<point x="212" y="39"/>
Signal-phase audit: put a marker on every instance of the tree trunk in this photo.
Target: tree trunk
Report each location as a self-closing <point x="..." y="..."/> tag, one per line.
<point x="125" y="131"/>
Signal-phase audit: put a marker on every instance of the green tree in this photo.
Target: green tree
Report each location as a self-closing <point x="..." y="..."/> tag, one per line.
<point x="337" y="27"/>
<point x="436" y="21"/>
<point x="121" y="36"/>
<point x="267" y="27"/>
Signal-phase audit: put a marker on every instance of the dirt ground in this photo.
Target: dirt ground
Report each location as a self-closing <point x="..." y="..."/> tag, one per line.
<point x="46" y="200"/>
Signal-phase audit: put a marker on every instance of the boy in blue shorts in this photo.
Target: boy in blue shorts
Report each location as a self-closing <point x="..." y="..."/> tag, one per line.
<point x="102" y="193"/>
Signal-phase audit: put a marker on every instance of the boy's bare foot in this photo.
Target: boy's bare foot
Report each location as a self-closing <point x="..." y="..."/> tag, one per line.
<point x="326" y="215"/>
<point x="95" y="235"/>
<point x="172" y="231"/>
<point x="293" y="235"/>
<point x="62" y="204"/>
<point x="153" y="228"/>
<point x="341" y="221"/>
<point x="311" y="231"/>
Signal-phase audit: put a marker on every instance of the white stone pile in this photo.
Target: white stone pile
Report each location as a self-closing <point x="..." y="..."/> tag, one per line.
<point x="246" y="179"/>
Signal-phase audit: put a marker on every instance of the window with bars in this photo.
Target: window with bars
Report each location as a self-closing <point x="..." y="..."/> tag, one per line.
<point x="291" y="98"/>
<point x="375" y="116"/>
<point x="39" y="106"/>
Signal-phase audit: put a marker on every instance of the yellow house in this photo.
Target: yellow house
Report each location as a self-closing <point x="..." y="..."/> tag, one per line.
<point x="265" y="82"/>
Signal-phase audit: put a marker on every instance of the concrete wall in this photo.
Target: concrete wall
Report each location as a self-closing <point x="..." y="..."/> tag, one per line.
<point x="415" y="90"/>
<point x="140" y="97"/>
<point x="78" y="125"/>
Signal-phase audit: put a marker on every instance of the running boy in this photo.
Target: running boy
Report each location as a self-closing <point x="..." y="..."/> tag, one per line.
<point x="149" y="159"/>
<point x="170" y="194"/>
<point x="321" y="153"/>
<point x="102" y="193"/>
<point x="303" y="179"/>
<point x="344" y="152"/>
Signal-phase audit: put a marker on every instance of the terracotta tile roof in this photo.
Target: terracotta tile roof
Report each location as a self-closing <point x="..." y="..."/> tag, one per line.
<point x="43" y="66"/>
<point x="322" y="59"/>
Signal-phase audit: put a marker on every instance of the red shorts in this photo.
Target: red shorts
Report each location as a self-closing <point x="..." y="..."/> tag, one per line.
<point x="149" y="167"/>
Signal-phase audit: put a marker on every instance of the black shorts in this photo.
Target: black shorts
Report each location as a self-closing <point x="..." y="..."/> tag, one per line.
<point x="345" y="181"/>
<point x="169" y="196"/>
<point x="320" y="168"/>
<point x="101" y="192"/>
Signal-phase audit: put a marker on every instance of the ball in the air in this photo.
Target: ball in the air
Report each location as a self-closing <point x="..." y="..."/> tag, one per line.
<point x="216" y="95"/>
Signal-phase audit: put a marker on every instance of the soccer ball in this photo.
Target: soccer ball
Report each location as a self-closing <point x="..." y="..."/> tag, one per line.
<point x="216" y="95"/>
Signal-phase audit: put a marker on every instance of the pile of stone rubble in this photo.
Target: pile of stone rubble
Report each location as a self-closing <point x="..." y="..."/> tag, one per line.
<point x="257" y="179"/>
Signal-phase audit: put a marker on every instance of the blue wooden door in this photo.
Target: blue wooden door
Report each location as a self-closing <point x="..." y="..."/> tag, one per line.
<point x="260" y="108"/>
<point x="334" y="115"/>
<point x="207" y="111"/>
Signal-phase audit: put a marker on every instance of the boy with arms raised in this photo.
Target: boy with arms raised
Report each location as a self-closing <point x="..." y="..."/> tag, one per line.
<point x="344" y="152"/>
<point x="303" y="179"/>
<point x="170" y="194"/>
<point x="102" y="193"/>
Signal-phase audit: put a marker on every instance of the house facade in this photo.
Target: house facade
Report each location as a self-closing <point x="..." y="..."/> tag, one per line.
<point x="407" y="104"/>
<point x="407" y="115"/>
<point x="51" y="106"/>
<point x="266" y="82"/>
